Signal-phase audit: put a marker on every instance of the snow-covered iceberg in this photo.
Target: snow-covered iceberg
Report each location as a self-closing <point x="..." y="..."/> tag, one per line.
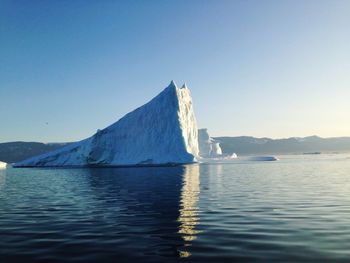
<point x="163" y="131"/>
<point x="3" y="165"/>
<point x="209" y="148"/>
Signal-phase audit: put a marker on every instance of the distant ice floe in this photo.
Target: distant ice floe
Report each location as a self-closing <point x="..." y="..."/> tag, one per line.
<point x="263" y="158"/>
<point x="3" y="165"/>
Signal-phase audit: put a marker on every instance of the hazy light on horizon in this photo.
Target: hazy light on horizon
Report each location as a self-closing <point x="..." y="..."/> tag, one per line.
<point x="260" y="68"/>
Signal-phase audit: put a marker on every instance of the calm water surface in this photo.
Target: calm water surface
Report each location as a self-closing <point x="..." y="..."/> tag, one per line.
<point x="296" y="209"/>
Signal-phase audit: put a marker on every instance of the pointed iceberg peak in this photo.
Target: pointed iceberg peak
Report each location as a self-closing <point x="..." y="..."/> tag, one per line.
<point x="184" y="86"/>
<point x="172" y="84"/>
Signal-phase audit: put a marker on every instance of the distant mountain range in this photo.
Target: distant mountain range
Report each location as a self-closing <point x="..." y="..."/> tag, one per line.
<point x="245" y="145"/>
<point x="11" y="152"/>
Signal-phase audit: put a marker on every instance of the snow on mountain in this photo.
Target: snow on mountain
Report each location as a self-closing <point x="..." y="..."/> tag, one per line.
<point x="163" y="131"/>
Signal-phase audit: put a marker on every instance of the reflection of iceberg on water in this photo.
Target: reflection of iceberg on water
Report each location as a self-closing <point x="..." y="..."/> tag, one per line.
<point x="2" y="178"/>
<point x="188" y="217"/>
<point x="3" y="165"/>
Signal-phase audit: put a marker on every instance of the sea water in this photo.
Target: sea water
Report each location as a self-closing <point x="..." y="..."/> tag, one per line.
<point x="295" y="209"/>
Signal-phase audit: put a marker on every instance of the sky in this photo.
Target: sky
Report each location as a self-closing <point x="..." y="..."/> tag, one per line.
<point x="258" y="68"/>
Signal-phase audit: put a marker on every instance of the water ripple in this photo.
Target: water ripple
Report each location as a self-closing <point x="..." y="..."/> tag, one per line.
<point x="296" y="209"/>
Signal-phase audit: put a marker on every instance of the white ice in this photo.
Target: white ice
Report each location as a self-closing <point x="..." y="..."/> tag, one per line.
<point x="163" y="131"/>
<point x="263" y="158"/>
<point x="3" y="165"/>
<point x="209" y="148"/>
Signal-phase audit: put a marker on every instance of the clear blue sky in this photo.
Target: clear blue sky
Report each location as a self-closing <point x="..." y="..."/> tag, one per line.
<point x="260" y="68"/>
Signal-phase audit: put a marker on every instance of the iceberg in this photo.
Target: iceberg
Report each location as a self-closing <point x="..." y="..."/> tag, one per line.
<point x="161" y="132"/>
<point x="3" y="165"/>
<point x="209" y="148"/>
<point x="263" y="158"/>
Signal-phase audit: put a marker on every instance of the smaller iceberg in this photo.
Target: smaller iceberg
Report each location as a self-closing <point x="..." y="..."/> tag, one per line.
<point x="209" y="148"/>
<point x="3" y="165"/>
<point x="263" y="158"/>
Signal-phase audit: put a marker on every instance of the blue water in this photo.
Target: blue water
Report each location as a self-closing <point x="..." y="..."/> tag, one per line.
<point x="296" y="209"/>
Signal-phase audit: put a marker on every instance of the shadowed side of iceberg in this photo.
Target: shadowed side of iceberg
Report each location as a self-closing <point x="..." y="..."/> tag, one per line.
<point x="161" y="132"/>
